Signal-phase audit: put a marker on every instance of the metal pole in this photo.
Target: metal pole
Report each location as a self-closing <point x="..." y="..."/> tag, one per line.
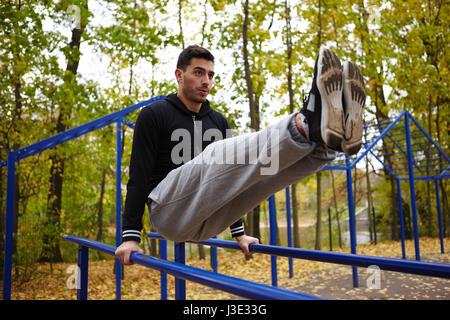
<point x="273" y="239"/>
<point x="9" y="225"/>
<point x="82" y="280"/>
<point x="351" y="216"/>
<point x="163" y="256"/>
<point x="438" y="204"/>
<point x="289" y="230"/>
<point x="411" y="187"/>
<point x="213" y="252"/>
<point x="329" y="229"/>
<point x="180" y="285"/>
<point x="400" y="212"/>
<point x="118" y="205"/>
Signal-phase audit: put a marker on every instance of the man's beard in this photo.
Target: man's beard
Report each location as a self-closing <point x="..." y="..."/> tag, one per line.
<point x="191" y="95"/>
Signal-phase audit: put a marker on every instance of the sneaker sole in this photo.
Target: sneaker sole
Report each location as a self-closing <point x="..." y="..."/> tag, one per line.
<point x="329" y="84"/>
<point x="355" y="99"/>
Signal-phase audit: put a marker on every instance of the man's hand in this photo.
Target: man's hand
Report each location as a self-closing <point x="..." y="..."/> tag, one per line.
<point x="243" y="242"/>
<point x="124" y="251"/>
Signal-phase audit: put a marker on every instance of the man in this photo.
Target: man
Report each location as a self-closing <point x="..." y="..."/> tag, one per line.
<point x="207" y="194"/>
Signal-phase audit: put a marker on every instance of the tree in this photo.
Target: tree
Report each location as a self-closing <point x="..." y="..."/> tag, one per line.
<point x="52" y="229"/>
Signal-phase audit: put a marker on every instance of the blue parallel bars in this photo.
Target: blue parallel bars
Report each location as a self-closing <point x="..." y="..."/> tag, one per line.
<point x="214" y="257"/>
<point x="432" y="269"/>
<point x="273" y="238"/>
<point x="117" y="117"/>
<point x="180" y="284"/>
<point x="289" y="230"/>
<point x="39" y="147"/>
<point x="163" y="255"/>
<point x="351" y="217"/>
<point x="411" y="186"/>
<point x="82" y="281"/>
<point x="240" y="287"/>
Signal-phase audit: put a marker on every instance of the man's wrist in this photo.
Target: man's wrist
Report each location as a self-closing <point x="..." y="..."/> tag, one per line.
<point x="131" y="235"/>
<point x="237" y="231"/>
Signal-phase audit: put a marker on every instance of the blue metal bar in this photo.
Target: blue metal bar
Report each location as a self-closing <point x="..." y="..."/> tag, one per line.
<point x="430" y="153"/>
<point x="400" y="213"/>
<point x="213" y="253"/>
<point x="402" y="170"/>
<point x="442" y="175"/>
<point x="240" y="287"/>
<point x="128" y="123"/>
<point x="431" y="178"/>
<point x="180" y="284"/>
<point x="80" y="130"/>
<point x="384" y="133"/>
<point x="118" y="205"/>
<point x="273" y="239"/>
<point x="438" y="204"/>
<point x="163" y="256"/>
<point x="418" y="161"/>
<point x="421" y="166"/>
<point x="82" y="281"/>
<point x="351" y="218"/>
<point x="383" y="164"/>
<point x="10" y="186"/>
<point x="431" y="269"/>
<point x="333" y="168"/>
<point x="429" y="137"/>
<point x="412" y="189"/>
<point x="289" y="230"/>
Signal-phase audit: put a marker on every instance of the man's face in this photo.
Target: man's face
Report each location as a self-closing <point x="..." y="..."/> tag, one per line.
<point x="195" y="83"/>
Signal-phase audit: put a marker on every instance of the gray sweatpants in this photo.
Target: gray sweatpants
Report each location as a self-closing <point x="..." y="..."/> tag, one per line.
<point x="229" y="178"/>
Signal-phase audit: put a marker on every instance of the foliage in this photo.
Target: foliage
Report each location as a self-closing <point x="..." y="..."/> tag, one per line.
<point x="125" y="57"/>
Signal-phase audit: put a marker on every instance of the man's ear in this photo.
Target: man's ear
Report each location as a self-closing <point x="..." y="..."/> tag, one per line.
<point x="179" y="75"/>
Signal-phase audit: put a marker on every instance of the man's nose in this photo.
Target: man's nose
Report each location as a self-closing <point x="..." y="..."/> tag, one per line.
<point x="206" y="81"/>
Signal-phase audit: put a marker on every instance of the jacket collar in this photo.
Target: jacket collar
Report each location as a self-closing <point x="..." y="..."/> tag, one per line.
<point x="175" y="101"/>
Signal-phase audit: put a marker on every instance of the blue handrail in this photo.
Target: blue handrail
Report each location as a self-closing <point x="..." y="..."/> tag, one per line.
<point x="240" y="287"/>
<point x="434" y="269"/>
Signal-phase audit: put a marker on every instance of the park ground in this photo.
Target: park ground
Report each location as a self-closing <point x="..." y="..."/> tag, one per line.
<point x="329" y="281"/>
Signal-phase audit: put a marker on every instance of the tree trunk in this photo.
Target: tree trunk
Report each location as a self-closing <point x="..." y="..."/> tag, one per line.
<point x="52" y="230"/>
<point x="180" y="24"/>
<point x="201" y="252"/>
<point x="294" y="205"/>
<point x="254" y="110"/>
<point x="369" y="200"/>
<point x="444" y="199"/>
<point x="2" y="223"/>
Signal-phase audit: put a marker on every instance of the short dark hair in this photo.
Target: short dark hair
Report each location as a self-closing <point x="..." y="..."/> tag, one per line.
<point x="193" y="51"/>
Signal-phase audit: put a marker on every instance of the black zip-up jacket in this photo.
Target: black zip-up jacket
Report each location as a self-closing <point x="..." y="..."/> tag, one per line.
<point x="151" y="154"/>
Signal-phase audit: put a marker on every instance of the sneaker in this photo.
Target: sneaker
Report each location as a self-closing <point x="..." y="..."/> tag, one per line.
<point x="354" y="99"/>
<point x="322" y="110"/>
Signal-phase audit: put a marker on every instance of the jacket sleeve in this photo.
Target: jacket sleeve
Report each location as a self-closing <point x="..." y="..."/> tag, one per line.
<point x="142" y="162"/>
